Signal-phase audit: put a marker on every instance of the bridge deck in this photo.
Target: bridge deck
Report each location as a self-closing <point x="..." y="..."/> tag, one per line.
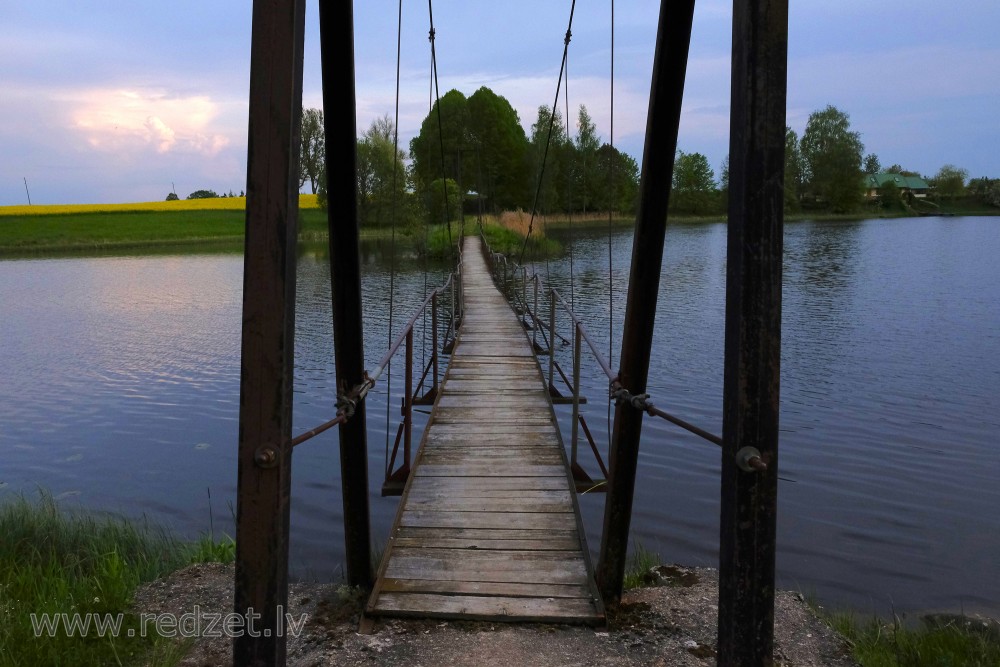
<point x="488" y="526"/>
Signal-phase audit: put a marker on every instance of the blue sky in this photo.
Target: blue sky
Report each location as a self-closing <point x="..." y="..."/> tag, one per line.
<point x="113" y="102"/>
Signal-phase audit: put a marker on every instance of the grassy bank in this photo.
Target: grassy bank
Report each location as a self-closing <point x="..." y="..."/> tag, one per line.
<point x="58" y="563"/>
<point x="939" y="641"/>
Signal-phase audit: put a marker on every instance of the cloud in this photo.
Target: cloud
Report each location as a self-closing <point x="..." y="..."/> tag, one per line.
<point x="135" y="121"/>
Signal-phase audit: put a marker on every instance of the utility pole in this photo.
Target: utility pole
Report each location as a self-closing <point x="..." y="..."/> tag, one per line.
<point x="26" y="190"/>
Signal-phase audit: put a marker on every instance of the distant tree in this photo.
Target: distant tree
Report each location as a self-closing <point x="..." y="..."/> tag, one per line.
<point x="500" y="151"/>
<point x="548" y="139"/>
<point x="889" y="195"/>
<point x="172" y="196"/>
<point x="453" y="134"/>
<point x="380" y="191"/>
<point x="586" y="176"/>
<point x="203" y="194"/>
<point x="897" y="169"/>
<point x="620" y="177"/>
<point x="312" y="151"/>
<point x="872" y="164"/>
<point x="693" y="184"/>
<point x="434" y="201"/>
<point x="832" y="154"/>
<point x="794" y="171"/>
<point x="950" y="181"/>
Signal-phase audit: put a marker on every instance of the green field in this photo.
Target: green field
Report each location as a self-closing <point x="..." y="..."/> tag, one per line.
<point x="27" y="234"/>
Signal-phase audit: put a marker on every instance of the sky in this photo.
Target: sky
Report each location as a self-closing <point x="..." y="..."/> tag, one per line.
<point x="107" y="101"/>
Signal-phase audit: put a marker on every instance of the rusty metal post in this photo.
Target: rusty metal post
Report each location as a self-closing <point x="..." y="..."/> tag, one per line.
<point x="577" y="345"/>
<point x="753" y="333"/>
<point x="534" y="317"/>
<point x="670" y="64"/>
<point x="336" y="22"/>
<point x="434" y="339"/>
<point x="552" y="338"/>
<point x="265" y="450"/>
<point x="408" y="401"/>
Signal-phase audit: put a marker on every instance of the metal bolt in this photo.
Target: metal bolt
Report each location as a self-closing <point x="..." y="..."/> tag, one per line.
<point x="265" y="457"/>
<point x="749" y="460"/>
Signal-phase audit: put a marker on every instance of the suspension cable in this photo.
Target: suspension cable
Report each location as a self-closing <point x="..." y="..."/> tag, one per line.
<point x="437" y="96"/>
<point x="611" y="189"/>
<point x="392" y="246"/>
<point x="569" y="210"/>
<point x="548" y="139"/>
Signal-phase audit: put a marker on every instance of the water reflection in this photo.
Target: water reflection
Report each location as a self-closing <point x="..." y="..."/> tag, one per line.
<point x="122" y="382"/>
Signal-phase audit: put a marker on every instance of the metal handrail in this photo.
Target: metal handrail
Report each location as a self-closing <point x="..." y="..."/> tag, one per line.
<point x="347" y="403"/>
<point x="616" y="391"/>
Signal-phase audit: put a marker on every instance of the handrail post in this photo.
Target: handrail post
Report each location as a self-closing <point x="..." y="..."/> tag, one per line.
<point x="434" y="339"/>
<point x="534" y="317"/>
<point x="408" y="401"/>
<point x="524" y="287"/>
<point x="552" y="338"/>
<point x="577" y="344"/>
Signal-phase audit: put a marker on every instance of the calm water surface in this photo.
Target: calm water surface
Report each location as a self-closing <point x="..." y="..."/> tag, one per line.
<point x="120" y="392"/>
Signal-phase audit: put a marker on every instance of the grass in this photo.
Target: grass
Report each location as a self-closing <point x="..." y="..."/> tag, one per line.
<point x="55" y="562"/>
<point x="639" y="562"/>
<point x="953" y="641"/>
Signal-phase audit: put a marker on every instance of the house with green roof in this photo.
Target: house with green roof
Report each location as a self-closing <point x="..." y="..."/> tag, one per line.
<point x="907" y="185"/>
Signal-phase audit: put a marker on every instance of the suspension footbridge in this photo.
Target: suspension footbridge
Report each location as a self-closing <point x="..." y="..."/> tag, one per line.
<point x="488" y="526"/>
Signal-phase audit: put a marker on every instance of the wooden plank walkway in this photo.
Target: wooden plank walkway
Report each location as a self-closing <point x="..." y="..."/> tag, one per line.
<point x="488" y="526"/>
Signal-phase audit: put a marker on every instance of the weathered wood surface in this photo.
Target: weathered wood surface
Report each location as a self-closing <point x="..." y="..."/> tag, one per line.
<point x="488" y="526"/>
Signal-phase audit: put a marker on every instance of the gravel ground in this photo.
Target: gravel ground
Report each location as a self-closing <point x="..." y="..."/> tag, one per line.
<point x="672" y="622"/>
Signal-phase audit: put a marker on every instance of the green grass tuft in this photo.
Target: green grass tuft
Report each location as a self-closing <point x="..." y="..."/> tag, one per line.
<point x="58" y="562"/>
<point x="640" y="561"/>
<point x="959" y="642"/>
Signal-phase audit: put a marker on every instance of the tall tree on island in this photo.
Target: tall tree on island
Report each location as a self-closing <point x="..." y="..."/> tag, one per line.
<point x="832" y="155"/>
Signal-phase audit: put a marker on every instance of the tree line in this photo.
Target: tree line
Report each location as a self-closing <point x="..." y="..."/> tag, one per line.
<point x="477" y="156"/>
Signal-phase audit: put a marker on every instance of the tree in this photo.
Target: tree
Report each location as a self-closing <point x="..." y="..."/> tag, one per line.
<point x="586" y="176"/>
<point x="950" y="181"/>
<point x="832" y="154"/>
<point x="434" y="201"/>
<point x="312" y="148"/>
<point x="620" y="181"/>
<point x="172" y="196"/>
<point x="897" y="169"/>
<point x="203" y="194"/>
<point x="548" y="138"/>
<point x="451" y="133"/>
<point x="693" y="184"/>
<point x="872" y="164"/>
<point x="500" y="153"/>
<point x="794" y="171"/>
<point x="381" y="190"/>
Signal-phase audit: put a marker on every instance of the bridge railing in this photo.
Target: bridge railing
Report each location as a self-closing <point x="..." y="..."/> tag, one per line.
<point x="527" y="296"/>
<point x="448" y="297"/>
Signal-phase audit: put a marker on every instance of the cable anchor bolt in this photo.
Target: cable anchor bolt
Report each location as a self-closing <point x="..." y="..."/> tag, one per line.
<point x="749" y="459"/>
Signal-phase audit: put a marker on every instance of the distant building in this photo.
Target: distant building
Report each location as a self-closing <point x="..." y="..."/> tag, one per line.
<point x="908" y="185"/>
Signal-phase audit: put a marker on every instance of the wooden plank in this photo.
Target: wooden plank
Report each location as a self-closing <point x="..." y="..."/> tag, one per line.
<point x="498" y="483"/>
<point x="475" y="491"/>
<point x="541" y="543"/>
<point x="511" y="534"/>
<point x="524" y="573"/>
<point x="527" y="520"/>
<point x="510" y="589"/>
<point x="489" y="505"/>
<point x="509" y="470"/>
<point x="511" y="609"/>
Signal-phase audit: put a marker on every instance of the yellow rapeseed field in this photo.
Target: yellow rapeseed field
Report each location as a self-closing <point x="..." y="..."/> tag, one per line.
<point x="214" y="204"/>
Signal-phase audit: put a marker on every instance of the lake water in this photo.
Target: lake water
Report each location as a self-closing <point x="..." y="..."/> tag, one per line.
<point x="120" y="392"/>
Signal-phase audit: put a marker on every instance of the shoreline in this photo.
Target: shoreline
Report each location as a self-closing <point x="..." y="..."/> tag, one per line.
<point x="21" y="245"/>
